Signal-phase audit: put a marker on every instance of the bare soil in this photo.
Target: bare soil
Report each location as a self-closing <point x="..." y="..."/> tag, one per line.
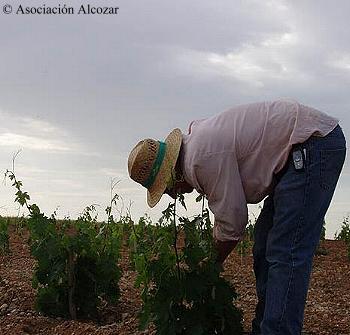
<point x="327" y="309"/>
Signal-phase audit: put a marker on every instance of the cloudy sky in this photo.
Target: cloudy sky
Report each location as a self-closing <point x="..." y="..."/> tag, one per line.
<point x="77" y="92"/>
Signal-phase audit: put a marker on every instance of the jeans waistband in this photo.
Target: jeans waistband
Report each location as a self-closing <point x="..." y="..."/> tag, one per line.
<point x="334" y="138"/>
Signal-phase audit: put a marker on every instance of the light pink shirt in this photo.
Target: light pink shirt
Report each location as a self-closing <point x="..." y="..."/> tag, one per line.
<point x="233" y="156"/>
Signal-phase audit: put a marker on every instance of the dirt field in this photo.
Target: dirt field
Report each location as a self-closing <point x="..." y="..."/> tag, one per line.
<point x="327" y="310"/>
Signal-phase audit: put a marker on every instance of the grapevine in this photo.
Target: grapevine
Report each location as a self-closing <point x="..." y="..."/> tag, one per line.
<point x="76" y="260"/>
<point x="182" y="290"/>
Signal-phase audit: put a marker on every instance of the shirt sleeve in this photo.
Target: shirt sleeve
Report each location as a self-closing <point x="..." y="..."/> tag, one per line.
<point x="219" y="178"/>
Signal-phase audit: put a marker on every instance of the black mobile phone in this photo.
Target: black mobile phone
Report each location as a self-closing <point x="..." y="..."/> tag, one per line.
<point x="298" y="159"/>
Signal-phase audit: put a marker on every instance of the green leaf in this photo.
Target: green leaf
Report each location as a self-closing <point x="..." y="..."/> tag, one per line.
<point x="199" y="198"/>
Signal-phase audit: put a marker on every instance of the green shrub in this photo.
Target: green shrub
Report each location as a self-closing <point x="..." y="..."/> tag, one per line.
<point x="4" y="235"/>
<point x="248" y="239"/>
<point x="182" y="290"/>
<point x="76" y="260"/>
<point x="344" y="234"/>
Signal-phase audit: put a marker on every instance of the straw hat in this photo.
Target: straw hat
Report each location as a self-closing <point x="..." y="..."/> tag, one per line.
<point x="151" y="162"/>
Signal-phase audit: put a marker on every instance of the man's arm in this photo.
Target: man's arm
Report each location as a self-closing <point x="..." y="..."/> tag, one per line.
<point x="224" y="248"/>
<point x="219" y="179"/>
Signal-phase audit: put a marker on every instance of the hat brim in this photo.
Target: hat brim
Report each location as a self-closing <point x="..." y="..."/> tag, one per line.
<point x="173" y="142"/>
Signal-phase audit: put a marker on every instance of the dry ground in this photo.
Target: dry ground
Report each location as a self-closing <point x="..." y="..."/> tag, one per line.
<point x="327" y="310"/>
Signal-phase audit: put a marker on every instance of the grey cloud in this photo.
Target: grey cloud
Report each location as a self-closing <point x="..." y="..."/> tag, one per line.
<point x="103" y="83"/>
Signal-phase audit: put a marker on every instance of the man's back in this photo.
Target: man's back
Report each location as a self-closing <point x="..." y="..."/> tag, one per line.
<point x="232" y="157"/>
<point x="259" y="136"/>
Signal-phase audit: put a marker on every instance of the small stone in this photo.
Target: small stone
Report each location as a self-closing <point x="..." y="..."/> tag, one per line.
<point x="3" y="307"/>
<point x="27" y="329"/>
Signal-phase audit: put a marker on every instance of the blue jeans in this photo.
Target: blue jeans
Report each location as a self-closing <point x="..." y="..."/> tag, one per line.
<point x="287" y="233"/>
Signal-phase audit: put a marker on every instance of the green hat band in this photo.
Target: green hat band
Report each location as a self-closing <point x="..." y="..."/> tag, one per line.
<point x="156" y="166"/>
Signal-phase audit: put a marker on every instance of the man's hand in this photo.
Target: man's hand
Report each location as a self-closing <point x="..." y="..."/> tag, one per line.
<point x="224" y="248"/>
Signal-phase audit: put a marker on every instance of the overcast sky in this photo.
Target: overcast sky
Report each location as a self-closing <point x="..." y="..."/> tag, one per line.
<point x="77" y="92"/>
